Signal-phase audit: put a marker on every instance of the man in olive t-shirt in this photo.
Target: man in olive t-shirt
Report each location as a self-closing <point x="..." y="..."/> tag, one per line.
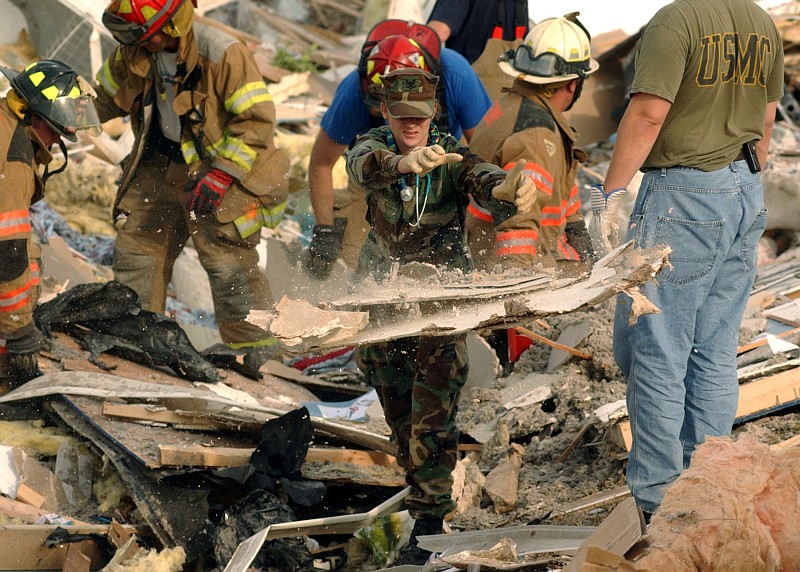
<point x="704" y="96"/>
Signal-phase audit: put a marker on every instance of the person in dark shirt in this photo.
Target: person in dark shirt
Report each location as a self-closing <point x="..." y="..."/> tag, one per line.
<point x="466" y="25"/>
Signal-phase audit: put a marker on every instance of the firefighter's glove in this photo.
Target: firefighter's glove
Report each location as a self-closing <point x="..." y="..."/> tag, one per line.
<point x="207" y="194"/>
<point x="604" y="218"/>
<point x="23" y="358"/>
<point x="423" y="160"/>
<point x="517" y="188"/>
<point x="326" y="242"/>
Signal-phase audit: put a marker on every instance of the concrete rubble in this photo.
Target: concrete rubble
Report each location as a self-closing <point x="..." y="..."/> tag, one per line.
<point x="117" y="463"/>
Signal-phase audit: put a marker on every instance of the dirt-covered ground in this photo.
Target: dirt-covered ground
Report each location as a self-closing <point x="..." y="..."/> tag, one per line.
<point x="546" y="430"/>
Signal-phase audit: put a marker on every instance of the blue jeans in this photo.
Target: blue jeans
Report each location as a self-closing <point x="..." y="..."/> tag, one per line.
<point x="681" y="364"/>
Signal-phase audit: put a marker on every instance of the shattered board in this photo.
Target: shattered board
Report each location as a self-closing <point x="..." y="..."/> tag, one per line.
<point x="426" y="308"/>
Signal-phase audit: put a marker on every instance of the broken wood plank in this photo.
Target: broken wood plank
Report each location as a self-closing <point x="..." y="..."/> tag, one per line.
<point x="341" y="524"/>
<point x="571" y="447"/>
<point x="620" y="434"/>
<point x="539" y="338"/>
<point x="530" y="539"/>
<point x="191" y="455"/>
<point x="76" y="561"/>
<point x="106" y="386"/>
<point x="763" y="341"/>
<point x="602" y="497"/>
<point x="352" y="456"/>
<point x="29" y="496"/>
<point x="788" y="313"/>
<point x="24" y="512"/>
<point x="622" y="529"/>
<point x="173" y="455"/>
<point x="22" y="547"/>
<point x="159" y="414"/>
<point x="768" y="394"/>
<point x="756" y="398"/>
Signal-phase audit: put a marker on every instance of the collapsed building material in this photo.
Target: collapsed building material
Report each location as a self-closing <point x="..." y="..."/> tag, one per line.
<point x="735" y="508"/>
<point x="108" y="317"/>
<point x="481" y="301"/>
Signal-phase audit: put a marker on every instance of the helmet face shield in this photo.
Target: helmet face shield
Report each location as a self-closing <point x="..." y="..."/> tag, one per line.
<point x="546" y="64"/>
<point x="68" y="115"/>
<point x="124" y="32"/>
<point x="129" y="32"/>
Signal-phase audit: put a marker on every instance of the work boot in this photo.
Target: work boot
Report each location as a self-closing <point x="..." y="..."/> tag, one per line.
<point x="411" y="552"/>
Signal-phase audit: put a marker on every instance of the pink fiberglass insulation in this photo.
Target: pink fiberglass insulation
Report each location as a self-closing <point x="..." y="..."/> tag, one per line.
<point x="736" y="508"/>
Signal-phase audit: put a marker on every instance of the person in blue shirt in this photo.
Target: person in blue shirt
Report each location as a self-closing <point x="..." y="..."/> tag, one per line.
<point x="353" y="111"/>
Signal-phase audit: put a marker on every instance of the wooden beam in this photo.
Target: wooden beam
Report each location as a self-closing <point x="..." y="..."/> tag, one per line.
<point x="153" y="414"/>
<point x="769" y="393"/>
<point x="199" y="456"/>
<point x="29" y="496"/>
<point x="551" y="343"/>
<point x="24" y="512"/>
<point x="763" y="341"/>
<point x="351" y="456"/>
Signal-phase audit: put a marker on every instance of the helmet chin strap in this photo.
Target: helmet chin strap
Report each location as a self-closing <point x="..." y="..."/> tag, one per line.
<point x="47" y="174"/>
<point x="577" y="94"/>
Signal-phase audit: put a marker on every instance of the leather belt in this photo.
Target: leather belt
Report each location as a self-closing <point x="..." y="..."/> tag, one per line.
<point x="739" y="157"/>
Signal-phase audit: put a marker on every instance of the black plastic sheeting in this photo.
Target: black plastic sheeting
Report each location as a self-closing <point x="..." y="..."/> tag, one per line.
<point x="107" y="317"/>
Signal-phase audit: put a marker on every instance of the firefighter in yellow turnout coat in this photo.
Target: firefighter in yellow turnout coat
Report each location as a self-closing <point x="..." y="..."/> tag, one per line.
<point x="527" y="122"/>
<point x="203" y="165"/>
<point x="47" y="101"/>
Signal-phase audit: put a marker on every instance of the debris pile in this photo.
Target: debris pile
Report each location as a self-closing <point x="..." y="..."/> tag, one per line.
<point x="143" y="457"/>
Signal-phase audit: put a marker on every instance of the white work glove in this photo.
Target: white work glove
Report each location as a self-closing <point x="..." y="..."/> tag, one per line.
<point x="517" y="188"/>
<point x="423" y="160"/>
<point x="604" y="218"/>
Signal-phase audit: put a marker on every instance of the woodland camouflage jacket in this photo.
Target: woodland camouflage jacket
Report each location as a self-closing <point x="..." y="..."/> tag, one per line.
<point x="428" y="226"/>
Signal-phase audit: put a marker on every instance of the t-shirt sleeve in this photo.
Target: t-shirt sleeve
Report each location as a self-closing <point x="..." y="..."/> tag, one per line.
<point x="451" y="12"/>
<point x="775" y="81"/>
<point x="348" y="116"/>
<point x="467" y="100"/>
<point x="661" y="57"/>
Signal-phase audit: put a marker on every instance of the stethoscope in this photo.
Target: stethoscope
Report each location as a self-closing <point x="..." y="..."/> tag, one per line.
<point x="407" y="193"/>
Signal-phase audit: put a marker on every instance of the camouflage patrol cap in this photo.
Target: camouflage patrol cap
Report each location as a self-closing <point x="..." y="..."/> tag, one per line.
<point x="410" y="92"/>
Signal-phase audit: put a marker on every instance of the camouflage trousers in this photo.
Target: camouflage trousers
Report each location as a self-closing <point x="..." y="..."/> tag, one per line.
<point x="419" y="383"/>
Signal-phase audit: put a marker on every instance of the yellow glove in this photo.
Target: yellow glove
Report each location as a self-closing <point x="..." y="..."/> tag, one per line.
<point x="423" y="160"/>
<point x="517" y="189"/>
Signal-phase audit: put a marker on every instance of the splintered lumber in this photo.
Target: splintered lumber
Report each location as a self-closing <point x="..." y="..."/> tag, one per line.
<point x="539" y="338"/>
<point x="763" y="341"/>
<point x="200" y="456"/>
<point x="76" y="560"/>
<point x="155" y="414"/>
<point x="29" y="496"/>
<point x="622" y="529"/>
<point x="22" y="547"/>
<point x="756" y="398"/>
<point x="768" y="394"/>
<point x="24" y="512"/>
<point x="590" y="501"/>
<point x="105" y="386"/>
<point x="571" y="447"/>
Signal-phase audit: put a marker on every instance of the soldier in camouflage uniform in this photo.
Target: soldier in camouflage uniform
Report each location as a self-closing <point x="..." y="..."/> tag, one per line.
<point x="418" y="185"/>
